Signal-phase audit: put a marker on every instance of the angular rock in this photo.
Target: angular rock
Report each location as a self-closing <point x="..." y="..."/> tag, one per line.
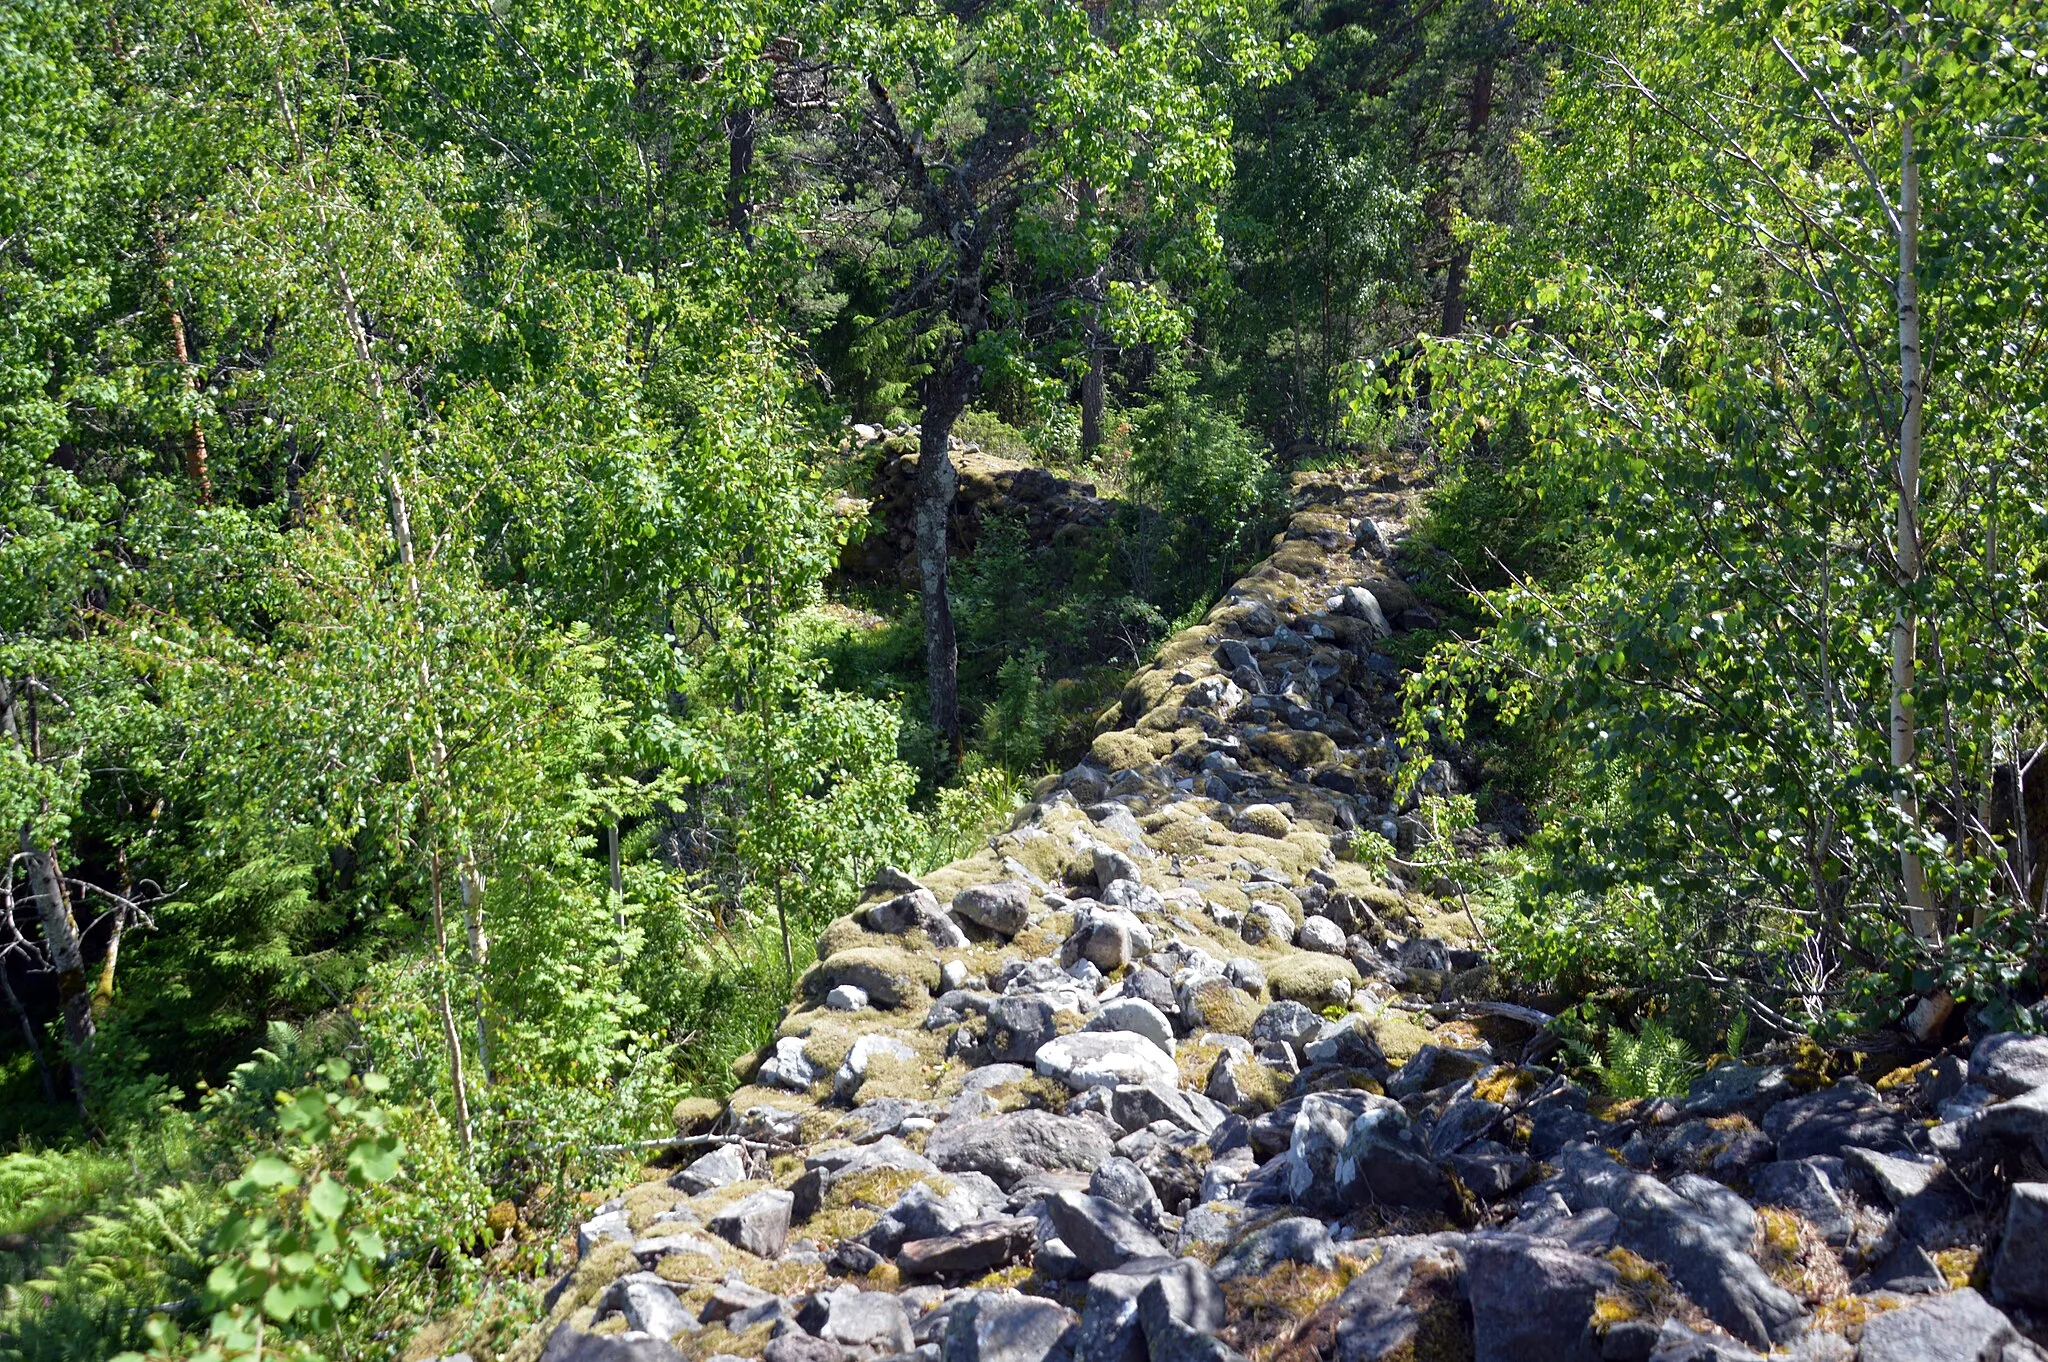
<point x="1016" y="1144"/>
<point x="1105" y="1059"/>
<point x="1003" y="1326"/>
<point x="866" y="1324"/>
<point x="2010" y="1063"/>
<point x="1491" y="1170"/>
<point x="568" y="1344"/>
<point x="1346" y="1043"/>
<point x="1706" y="1254"/>
<point x="1409" y="1304"/>
<point x="1830" y="1120"/>
<point x="722" y="1167"/>
<point x="757" y="1222"/>
<point x="1137" y="1105"/>
<point x="1960" y="1327"/>
<point x="1532" y="1299"/>
<point x="1805" y="1186"/>
<point x="975" y="1248"/>
<point x="1100" y="1233"/>
<point x="1298" y="1239"/>
<point x="1003" y="908"/>
<point x="2021" y="1274"/>
<point x="846" y="998"/>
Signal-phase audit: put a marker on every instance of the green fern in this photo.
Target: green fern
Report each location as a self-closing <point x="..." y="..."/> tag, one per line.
<point x="1652" y="1063"/>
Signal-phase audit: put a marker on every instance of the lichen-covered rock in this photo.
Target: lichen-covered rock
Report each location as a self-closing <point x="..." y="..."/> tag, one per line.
<point x="891" y="977"/>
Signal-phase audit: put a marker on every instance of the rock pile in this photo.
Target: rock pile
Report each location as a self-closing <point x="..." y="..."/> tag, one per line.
<point x="1050" y="508"/>
<point x="1168" y="1074"/>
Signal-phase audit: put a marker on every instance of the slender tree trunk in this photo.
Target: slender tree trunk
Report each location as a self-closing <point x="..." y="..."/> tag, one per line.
<point x="28" y="1035"/>
<point x="456" y="1078"/>
<point x="1920" y="913"/>
<point x="195" y="436"/>
<point x="931" y="510"/>
<point x="400" y="513"/>
<point x="103" y="993"/>
<point x="739" y="140"/>
<point x="1478" y="111"/>
<point x="1092" y="381"/>
<point x="67" y="954"/>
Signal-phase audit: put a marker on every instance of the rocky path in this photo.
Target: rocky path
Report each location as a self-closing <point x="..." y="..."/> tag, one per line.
<point x="1166" y="1074"/>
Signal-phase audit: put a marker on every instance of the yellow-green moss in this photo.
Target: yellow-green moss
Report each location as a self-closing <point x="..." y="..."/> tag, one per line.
<point x="891" y="977"/>
<point x="842" y="933"/>
<point x="646" y="1201"/>
<point x="1306" y="977"/>
<point x="695" y="1114"/>
<point x="1120" y="749"/>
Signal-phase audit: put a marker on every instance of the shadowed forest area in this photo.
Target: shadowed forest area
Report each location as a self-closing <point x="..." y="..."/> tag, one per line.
<point x="513" y="514"/>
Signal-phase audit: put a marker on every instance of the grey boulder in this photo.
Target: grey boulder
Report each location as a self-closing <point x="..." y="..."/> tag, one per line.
<point x="1100" y="1233"/>
<point x="1003" y="1326"/>
<point x="2010" y="1063"/>
<point x="1016" y="1144"/>
<point x="1960" y="1327"/>
<point x="1003" y="908"/>
<point x="2021" y="1275"/>
<point x="1532" y="1299"/>
<point x="757" y="1222"/>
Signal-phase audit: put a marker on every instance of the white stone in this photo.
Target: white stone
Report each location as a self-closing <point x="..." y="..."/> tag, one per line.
<point x="953" y="974"/>
<point x="1105" y="1059"/>
<point x="1320" y="934"/>
<point x="846" y="998"/>
<point x="1138" y="1017"/>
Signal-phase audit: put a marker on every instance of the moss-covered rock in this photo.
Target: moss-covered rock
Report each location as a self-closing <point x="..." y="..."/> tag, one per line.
<point x="1264" y="820"/>
<point x="891" y="977"/>
<point x="1296" y="749"/>
<point x="1316" y="980"/>
<point x="843" y="933"/>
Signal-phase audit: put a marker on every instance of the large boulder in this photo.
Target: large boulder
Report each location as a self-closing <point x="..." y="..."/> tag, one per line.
<point x="1100" y="1233"/>
<point x="1004" y="1326"/>
<point x="1959" y="1327"/>
<point x="1832" y="1119"/>
<point x="1017" y="1144"/>
<point x="1533" y="1299"/>
<point x="1702" y="1241"/>
<point x="1105" y="1059"/>
<point x="2021" y="1276"/>
<point x="2010" y="1063"/>
<point x="971" y="1249"/>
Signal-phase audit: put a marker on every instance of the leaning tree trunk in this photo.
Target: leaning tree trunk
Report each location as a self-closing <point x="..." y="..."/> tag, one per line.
<point x="1920" y="914"/>
<point x="931" y="512"/>
<point x="67" y="953"/>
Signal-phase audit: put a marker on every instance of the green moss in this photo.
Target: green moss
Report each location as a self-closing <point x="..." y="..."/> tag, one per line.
<point x="891" y="977"/>
<point x="1306" y="977"/>
<point x="841" y="934"/>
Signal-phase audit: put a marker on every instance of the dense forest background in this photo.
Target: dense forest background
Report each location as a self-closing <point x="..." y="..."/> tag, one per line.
<point x="427" y="439"/>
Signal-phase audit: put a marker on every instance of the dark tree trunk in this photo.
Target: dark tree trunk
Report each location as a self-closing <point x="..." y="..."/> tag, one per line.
<point x="739" y="210"/>
<point x="931" y="512"/>
<point x="195" y="435"/>
<point x="1091" y="390"/>
<point x="1478" y="110"/>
